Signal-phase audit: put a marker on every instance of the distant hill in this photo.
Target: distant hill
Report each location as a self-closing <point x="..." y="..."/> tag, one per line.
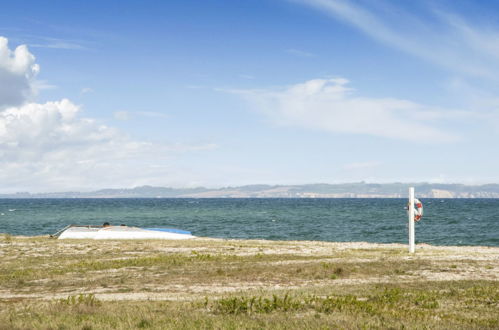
<point x="345" y="190"/>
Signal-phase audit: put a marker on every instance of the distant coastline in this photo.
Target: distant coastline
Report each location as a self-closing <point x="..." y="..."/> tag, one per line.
<point x="344" y="190"/>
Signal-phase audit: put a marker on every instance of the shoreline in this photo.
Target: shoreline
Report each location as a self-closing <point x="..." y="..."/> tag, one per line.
<point x="351" y="244"/>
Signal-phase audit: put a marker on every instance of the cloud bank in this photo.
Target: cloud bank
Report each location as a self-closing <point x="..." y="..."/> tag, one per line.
<point x="50" y="146"/>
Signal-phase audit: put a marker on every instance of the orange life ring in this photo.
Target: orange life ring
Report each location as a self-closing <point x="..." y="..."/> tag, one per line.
<point x="418" y="209"/>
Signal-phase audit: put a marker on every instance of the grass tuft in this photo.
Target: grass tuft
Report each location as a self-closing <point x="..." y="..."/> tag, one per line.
<point x="250" y="305"/>
<point x="81" y="299"/>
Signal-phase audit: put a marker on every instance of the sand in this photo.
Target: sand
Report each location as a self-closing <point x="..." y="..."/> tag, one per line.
<point x="42" y="268"/>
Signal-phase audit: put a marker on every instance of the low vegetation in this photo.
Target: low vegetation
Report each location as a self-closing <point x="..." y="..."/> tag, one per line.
<point x="204" y="283"/>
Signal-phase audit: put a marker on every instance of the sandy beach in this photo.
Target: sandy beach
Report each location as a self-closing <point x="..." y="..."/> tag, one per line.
<point x="440" y="264"/>
<point x="39" y="269"/>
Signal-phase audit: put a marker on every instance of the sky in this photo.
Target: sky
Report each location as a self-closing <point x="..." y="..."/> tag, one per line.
<point x="119" y="94"/>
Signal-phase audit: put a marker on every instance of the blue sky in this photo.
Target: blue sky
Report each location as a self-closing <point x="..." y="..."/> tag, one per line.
<point x="217" y="93"/>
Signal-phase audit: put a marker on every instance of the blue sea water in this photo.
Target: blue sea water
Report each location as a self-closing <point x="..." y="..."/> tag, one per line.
<point x="383" y="220"/>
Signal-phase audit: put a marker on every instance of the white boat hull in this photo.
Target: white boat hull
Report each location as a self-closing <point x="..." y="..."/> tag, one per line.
<point x="121" y="232"/>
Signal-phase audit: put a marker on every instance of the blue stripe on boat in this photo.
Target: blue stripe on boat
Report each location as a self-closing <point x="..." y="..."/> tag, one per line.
<point x="170" y="230"/>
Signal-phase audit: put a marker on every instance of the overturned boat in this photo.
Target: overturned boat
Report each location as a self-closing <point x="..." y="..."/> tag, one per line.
<point x="120" y="232"/>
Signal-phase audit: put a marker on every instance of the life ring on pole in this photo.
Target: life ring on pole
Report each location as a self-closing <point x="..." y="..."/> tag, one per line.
<point x="418" y="210"/>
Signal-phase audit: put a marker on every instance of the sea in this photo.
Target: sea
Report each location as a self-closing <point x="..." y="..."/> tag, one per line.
<point x="378" y="220"/>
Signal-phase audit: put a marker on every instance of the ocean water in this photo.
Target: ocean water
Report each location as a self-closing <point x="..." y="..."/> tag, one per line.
<point x="382" y="220"/>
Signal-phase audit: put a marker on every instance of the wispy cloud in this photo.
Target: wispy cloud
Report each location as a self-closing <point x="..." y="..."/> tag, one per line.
<point x="331" y="105"/>
<point x="40" y="85"/>
<point x="86" y="90"/>
<point x="152" y="114"/>
<point x="56" y="43"/>
<point x="441" y="37"/>
<point x="299" y="53"/>
<point x="247" y="76"/>
<point x="127" y="115"/>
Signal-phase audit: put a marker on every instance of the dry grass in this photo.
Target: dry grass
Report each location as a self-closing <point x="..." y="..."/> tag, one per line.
<point x="207" y="283"/>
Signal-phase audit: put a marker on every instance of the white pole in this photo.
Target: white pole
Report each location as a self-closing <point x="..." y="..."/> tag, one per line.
<point x="412" y="235"/>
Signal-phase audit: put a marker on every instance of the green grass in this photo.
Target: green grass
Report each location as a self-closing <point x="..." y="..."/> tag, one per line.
<point x="381" y="306"/>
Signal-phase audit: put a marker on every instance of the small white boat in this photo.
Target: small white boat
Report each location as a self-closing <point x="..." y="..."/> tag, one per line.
<point x="121" y="232"/>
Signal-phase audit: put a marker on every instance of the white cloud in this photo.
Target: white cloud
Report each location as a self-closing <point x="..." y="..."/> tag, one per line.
<point x="51" y="147"/>
<point x="330" y="105"/>
<point x="17" y="74"/>
<point x="86" y="90"/>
